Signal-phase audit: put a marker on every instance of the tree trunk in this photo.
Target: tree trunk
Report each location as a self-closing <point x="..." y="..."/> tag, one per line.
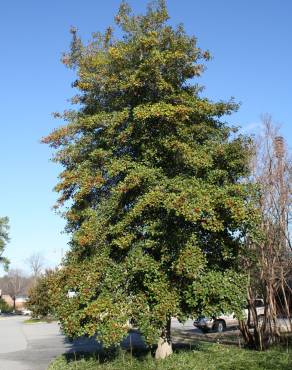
<point x="246" y="333"/>
<point x="164" y="347"/>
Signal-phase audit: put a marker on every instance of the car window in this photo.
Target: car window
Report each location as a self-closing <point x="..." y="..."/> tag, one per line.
<point x="259" y="303"/>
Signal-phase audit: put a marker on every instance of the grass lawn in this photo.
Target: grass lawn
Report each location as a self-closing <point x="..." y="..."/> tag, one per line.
<point x="35" y="321"/>
<point x="204" y="356"/>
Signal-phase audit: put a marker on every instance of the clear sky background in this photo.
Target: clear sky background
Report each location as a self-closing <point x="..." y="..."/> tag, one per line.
<point x="251" y="45"/>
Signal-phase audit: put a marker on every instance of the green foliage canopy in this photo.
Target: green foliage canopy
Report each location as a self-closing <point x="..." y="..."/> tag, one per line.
<point x="4" y="308"/>
<point x="39" y="296"/>
<point x="4" y="239"/>
<point x="153" y="175"/>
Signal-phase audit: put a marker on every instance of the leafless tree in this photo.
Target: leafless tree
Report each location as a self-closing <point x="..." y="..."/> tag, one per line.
<point x="270" y="269"/>
<point x="36" y="264"/>
<point x="15" y="283"/>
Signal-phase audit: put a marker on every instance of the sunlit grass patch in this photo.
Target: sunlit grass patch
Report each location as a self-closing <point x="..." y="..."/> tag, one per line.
<point x="202" y="357"/>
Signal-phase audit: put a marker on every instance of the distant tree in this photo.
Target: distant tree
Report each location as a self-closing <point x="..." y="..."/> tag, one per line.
<point x="157" y="207"/>
<point x="4" y="307"/>
<point x="36" y="264"/>
<point x="4" y="239"/>
<point x="14" y="284"/>
<point x="39" y="296"/>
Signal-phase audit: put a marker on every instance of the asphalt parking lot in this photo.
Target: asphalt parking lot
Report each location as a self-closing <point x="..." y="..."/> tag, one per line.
<point x="34" y="346"/>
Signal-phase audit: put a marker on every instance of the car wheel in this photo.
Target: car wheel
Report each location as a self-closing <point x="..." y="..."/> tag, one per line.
<point x="204" y="330"/>
<point x="219" y="326"/>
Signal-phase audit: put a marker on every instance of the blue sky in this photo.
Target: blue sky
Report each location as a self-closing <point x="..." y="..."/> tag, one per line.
<point x="250" y="42"/>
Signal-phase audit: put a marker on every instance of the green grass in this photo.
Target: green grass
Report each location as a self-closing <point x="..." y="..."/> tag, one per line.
<point x="35" y="321"/>
<point x="203" y="357"/>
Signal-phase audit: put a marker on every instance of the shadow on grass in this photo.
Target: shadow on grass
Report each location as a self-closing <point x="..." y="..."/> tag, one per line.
<point x="133" y="345"/>
<point x="134" y="354"/>
<point x="140" y="354"/>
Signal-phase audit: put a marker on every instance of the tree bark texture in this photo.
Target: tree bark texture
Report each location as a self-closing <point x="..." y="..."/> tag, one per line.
<point x="164" y="346"/>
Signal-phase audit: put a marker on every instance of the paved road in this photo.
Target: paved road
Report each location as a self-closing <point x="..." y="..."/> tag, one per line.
<point x="34" y="346"/>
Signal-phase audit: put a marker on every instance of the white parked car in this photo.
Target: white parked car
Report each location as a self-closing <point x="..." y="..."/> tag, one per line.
<point x="226" y="321"/>
<point x="26" y="312"/>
